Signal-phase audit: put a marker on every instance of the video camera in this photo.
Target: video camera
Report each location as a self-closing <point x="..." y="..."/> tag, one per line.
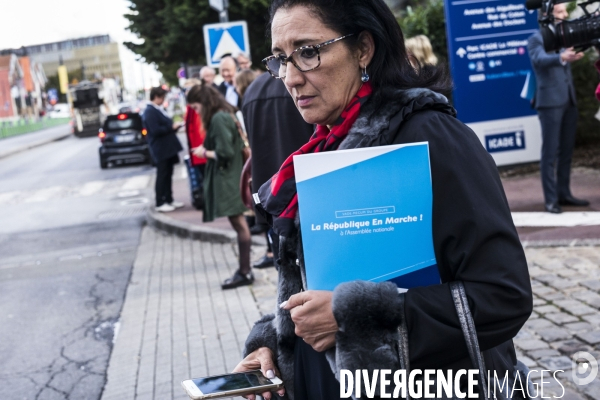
<point x="580" y="33"/>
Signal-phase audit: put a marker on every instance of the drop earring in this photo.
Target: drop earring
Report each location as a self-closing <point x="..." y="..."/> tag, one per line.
<point x="364" y="76"/>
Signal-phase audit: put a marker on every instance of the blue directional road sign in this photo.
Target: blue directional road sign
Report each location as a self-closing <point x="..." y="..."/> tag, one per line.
<point x="225" y="38"/>
<point x="487" y="48"/>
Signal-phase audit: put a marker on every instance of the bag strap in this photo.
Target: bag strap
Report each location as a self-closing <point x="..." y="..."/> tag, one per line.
<point x="240" y="130"/>
<point x="467" y="325"/>
<point x="403" y="344"/>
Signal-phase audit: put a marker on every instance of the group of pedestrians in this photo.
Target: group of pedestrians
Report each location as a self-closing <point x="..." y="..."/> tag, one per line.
<point x="216" y="138"/>
<point x="355" y="83"/>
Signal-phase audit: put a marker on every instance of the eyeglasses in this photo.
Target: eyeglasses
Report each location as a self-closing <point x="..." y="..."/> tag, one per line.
<point x="305" y="58"/>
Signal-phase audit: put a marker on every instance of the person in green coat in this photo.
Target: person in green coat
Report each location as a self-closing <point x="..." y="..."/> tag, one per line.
<point x="222" y="148"/>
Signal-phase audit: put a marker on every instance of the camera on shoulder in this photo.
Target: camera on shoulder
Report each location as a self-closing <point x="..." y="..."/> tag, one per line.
<point x="580" y="33"/>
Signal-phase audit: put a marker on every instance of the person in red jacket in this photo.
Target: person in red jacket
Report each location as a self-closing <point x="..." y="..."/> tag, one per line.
<point x="195" y="134"/>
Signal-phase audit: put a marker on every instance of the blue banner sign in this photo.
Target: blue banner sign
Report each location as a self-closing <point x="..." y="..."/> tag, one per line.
<point x="487" y="49"/>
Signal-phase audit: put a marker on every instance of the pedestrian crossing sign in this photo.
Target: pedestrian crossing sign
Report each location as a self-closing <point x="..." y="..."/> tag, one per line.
<point x="225" y="38"/>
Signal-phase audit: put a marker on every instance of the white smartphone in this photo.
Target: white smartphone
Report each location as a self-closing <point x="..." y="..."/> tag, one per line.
<point x="243" y="383"/>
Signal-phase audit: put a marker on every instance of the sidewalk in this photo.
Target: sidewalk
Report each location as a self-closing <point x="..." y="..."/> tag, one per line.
<point x="26" y="141"/>
<point x="526" y="201"/>
<point x="176" y="322"/>
<point x="187" y="221"/>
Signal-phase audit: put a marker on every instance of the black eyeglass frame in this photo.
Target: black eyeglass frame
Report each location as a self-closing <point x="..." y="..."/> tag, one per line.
<point x="284" y="60"/>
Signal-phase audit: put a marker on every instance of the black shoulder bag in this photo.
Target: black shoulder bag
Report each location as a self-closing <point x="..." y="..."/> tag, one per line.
<point x="468" y="327"/>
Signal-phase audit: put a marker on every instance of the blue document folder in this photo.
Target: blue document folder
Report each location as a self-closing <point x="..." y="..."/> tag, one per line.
<point x="367" y="214"/>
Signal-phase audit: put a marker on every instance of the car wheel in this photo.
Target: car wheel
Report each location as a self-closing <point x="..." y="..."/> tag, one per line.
<point x="103" y="164"/>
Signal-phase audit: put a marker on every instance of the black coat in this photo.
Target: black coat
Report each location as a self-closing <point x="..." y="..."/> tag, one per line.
<point x="223" y="89"/>
<point x="161" y="137"/>
<point x="274" y="125"/>
<point x="475" y="241"/>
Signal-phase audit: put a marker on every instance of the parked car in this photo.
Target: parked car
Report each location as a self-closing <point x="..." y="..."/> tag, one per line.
<point x="60" y="110"/>
<point x="123" y="140"/>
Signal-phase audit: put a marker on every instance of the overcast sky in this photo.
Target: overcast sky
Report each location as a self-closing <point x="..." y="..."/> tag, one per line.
<point x="28" y="22"/>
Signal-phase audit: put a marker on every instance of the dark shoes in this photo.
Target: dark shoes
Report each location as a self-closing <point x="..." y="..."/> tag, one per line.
<point x="573" y="201"/>
<point x="238" y="279"/>
<point x="258" y="229"/>
<point x="553" y="208"/>
<point x="264" y="262"/>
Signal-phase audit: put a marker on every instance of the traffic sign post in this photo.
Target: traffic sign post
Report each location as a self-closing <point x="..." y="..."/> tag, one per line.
<point x="225" y="38"/>
<point x="221" y="6"/>
<point x="487" y="48"/>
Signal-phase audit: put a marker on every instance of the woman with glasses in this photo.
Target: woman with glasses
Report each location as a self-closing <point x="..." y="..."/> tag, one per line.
<point x="345" y="65"/>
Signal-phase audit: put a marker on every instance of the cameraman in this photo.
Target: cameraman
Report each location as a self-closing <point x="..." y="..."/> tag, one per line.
<point x="557" y="110"/>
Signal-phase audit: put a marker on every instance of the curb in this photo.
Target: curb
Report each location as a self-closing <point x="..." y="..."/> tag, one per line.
<point x="215" y="235"/>
<point x="195" y="232"/>
<point x="34" y="144"/>
<point x="561" y="243"/>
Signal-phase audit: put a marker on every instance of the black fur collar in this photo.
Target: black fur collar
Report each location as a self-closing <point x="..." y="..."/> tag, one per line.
<point x="375" y="115"/>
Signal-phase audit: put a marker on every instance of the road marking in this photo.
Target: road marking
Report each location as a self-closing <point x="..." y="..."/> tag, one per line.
<point x="136" y="182"/>
<point x="545" y="219"/>
<point x="122" y="187"/>
<point x="44" y="194"/>
<point x="125" y="212"/>
<point x="128" y="193"/>
<point x="91" y="188"/>
<point x="129" y="202"/>
<point x="8" y="197"/>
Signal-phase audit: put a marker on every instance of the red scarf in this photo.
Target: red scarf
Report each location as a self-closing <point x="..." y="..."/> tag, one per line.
<point x="278" y="195"/>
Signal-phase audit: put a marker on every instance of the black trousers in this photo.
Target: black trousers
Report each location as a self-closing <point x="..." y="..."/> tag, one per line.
<point x="558" y="139"/>
<point x="313" y="378"/>
<point x="164" y="180"/>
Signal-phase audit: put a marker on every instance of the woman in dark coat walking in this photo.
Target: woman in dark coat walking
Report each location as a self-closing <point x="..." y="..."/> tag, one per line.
<point x="222" y="148"/>
<point x="352" y="77"/>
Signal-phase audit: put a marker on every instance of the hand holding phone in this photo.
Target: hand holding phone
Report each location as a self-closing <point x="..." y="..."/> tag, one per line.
<point x="260" y="358"/>
<point x="235" y="384"/>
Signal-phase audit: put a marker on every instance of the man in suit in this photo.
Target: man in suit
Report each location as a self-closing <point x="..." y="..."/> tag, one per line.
<point x="227" y="68"/>
<point x="557" y="110"/>
<point x="164" y="148"/>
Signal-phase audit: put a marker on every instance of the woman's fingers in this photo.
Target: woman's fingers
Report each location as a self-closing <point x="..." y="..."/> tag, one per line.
<point x="266" y="395"/>
<point x="295" y="300"/>
<point x="260" y="359"/>
<point x="267" y="366"/>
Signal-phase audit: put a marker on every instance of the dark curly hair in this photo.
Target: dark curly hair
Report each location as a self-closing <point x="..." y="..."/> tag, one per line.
<point x="390" y="67"/>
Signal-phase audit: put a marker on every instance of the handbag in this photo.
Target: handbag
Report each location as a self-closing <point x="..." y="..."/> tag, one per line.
<point x="246" y="152"/>
<point x="246" y="184"/>
<point x="467" y="325"/>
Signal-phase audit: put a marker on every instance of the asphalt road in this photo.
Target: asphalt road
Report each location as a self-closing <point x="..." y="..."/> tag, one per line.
<point x="68" y="238"/>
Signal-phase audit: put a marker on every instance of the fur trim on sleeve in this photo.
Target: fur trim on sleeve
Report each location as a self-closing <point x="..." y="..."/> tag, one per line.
<point x="263" y="334"/>
<point x="368" y="315"/>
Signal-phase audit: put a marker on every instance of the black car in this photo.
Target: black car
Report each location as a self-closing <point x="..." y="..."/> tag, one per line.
<point x="123" y="140"/>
